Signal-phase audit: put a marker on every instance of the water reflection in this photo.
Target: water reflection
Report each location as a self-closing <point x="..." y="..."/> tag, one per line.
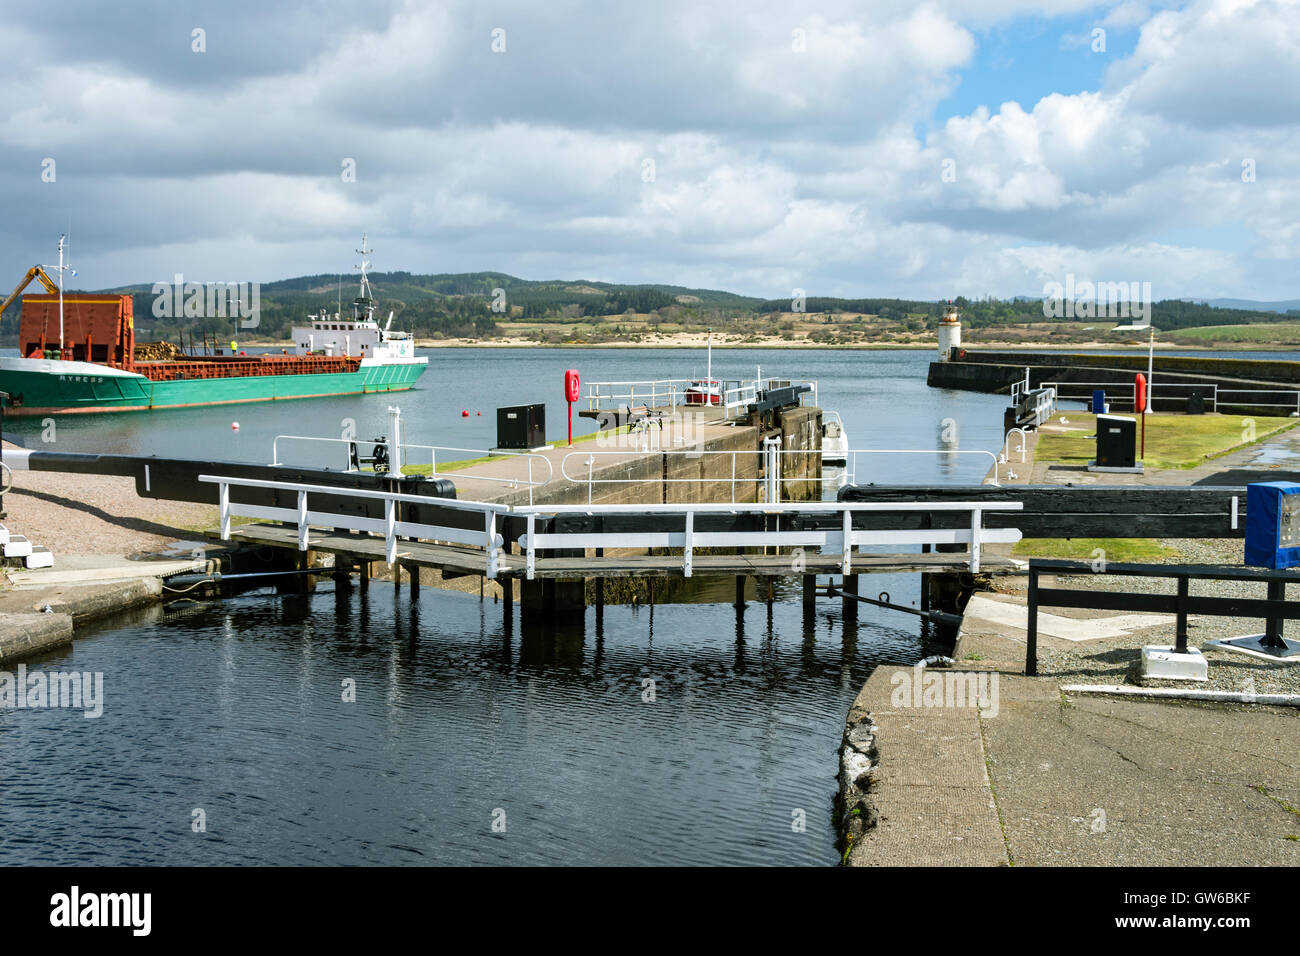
<point x="238" y="708"/>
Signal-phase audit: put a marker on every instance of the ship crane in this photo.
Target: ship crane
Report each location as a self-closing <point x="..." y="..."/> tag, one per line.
<point x="35" y="272"/>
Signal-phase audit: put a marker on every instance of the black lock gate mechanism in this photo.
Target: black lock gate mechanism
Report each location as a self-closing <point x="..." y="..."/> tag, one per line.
<point x="378" y="460"/>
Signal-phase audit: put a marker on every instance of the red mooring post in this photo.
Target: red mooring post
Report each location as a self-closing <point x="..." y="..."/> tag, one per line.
<point x="571" y="396"/>
<point x="1140" y="403"/>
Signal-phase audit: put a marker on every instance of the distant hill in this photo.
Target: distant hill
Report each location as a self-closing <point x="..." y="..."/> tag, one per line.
<point x="460" y="305"/>
<point x="1286" y="305"/>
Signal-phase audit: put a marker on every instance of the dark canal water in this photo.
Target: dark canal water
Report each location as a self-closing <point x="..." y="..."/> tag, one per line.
<point x="236" y="708"/>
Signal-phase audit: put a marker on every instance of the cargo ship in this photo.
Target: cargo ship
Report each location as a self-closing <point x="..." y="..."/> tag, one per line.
<point x="79" y="354"/>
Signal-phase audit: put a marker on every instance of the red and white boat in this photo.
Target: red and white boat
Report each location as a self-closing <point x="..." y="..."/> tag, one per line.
<point x="708" y="391"/>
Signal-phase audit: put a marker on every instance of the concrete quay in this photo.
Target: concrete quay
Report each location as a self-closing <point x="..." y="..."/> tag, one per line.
<point x="1051" y="775"/>
<point x="1051" y="778"/>
<point x="41" y="619"/>
<point x="112" y="551"/>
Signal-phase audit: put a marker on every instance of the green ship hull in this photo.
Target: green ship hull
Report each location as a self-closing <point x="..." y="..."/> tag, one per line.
<point x="38" y="387"/>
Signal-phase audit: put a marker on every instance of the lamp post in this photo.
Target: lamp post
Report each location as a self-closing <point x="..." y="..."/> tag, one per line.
<point x="1151" y="353"/>
<point x="1151" y="363"/>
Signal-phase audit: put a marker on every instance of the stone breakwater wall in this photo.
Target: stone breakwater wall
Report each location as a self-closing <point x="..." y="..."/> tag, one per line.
<point x="855" y="812"/>
<point x="1253" y="386"/>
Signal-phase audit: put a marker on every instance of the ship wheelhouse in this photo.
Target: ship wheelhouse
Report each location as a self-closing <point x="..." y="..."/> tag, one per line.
<point x="361" y="336"/>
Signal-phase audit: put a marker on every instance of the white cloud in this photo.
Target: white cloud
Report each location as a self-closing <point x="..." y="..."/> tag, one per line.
<point x="772" y="168"/>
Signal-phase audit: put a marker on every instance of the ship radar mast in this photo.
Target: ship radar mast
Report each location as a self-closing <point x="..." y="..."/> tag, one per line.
<point x="363" y="307"/>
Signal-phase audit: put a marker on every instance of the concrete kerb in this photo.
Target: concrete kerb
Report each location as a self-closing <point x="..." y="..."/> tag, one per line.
<point x="39" y="620"/>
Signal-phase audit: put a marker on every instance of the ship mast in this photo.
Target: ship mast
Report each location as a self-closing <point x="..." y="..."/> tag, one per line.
<point x="61" y="268"/>
<point x="363" y="306"/>
<point x="709" y="372"/>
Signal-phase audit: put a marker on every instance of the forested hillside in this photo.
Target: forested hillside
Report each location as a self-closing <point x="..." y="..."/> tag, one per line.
<point x="475" y="305"/>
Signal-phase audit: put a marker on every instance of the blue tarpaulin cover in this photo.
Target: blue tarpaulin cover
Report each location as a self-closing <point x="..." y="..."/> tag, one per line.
<point x="1263" y="524"/>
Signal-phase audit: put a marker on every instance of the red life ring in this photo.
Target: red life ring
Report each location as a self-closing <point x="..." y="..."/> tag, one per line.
<point x="961" y="353"/>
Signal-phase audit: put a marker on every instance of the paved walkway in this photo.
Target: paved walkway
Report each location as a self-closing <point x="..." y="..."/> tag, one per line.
<point x="1054" y="779"/>
<point x="1049" y="778"/>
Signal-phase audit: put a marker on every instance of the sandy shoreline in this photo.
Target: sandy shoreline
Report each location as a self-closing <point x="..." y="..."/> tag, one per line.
<point x="728" y="342"/>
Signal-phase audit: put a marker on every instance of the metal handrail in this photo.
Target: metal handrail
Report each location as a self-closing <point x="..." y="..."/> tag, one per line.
<point x="1115" y="388"/>
<point x="488" y="539"/>
<point x="590" y="479"/>
<point x="849" y="473"/>
<point x="853" y="453"/>
<point x="846" y="537"/>
<point x="760" y="507"/>
<point x="590" y="459"/>
<point x="1256" y="391"/>
<point x="1024" y="440"/>
<point x="1275" y="609"/>
<point x="671" y="392"/>
<point x="843" y="539"/>
<point x="1019" y="388"/>
<point x="1214" y="393"/>
<point x="530" y="483"/>
<point x="667" y="386"/>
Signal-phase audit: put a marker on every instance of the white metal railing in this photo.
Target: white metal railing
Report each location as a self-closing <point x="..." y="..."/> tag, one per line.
<point x="1024" y="440"/>
<point x="488" y="538"/>
<point x="611" y="396"/>
<point x="1219" y="398"/>
<point x="1044" y="403"/>
<point x="401" y="460"/>
<point x="840" y="540"/>
<point x="672" y="393"/>
<point x="739" y="397"/>
<point x="769" y="481"/>
<point x="1018" y="389"/>
<point x="852" y="466"/>
<point x="1118" y="389"/>
<point x="588" y="458"/>
<point x="1215" y="396"/>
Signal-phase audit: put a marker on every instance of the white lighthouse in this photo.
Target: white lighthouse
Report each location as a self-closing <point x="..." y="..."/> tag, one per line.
<point x="949" y="332"/>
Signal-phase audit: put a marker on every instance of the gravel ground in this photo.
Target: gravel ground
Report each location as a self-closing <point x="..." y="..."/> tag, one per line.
<point x="1115" y="661"/>
<point x="97" y="514"/>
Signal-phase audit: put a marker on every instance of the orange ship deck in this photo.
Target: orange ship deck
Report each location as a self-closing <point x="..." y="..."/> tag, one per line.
<point x="240" y="366"/>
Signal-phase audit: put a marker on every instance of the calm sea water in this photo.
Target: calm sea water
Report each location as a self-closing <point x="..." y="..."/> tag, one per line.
<point x="235" y="708"/>
<point x="882" y="397"/>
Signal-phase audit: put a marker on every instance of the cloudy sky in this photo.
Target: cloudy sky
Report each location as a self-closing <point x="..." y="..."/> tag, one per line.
<point x="847" y="148"/>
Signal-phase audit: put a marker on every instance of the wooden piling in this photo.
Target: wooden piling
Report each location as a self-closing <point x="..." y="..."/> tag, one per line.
<point x="507" y="602"/>
<point x="849" y="603"/>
